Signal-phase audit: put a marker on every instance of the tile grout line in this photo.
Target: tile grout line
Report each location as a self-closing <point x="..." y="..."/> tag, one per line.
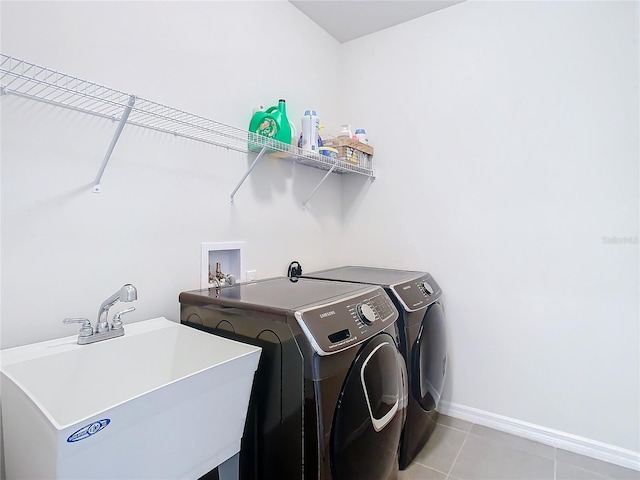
<point x="523" y="449"/>
<point x="586" y="469"/>
<point x="429" y="466"/>
<point x="458" y="454"/>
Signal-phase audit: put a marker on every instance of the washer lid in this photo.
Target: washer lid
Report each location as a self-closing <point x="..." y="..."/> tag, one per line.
<point x="280" y="294"/>
<point x="384" y="277"/>
<point x="414" y="290"/>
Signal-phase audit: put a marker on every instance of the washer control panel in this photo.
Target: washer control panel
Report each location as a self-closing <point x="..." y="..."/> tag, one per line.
<point x="332" y="327"/>
<point x="417" y="293"/>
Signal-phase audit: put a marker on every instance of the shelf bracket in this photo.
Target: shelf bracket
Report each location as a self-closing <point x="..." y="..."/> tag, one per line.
<point x="123" y="120"/>
<point x="304" y="204"/>
<point x="244" y="177"/>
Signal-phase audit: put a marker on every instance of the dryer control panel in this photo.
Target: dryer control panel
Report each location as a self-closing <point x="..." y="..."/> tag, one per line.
<point x="342" y="324"/>
<point x="417" y="293"/>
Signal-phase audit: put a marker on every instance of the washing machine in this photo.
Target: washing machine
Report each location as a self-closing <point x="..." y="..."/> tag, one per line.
<point x="423" y="343"/>
<point x="330" y="392"/>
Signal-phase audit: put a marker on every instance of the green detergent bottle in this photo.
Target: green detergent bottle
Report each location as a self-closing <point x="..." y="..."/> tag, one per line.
<point x="271" y="123"/>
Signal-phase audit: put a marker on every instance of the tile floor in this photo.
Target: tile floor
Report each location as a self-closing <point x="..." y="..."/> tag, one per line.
<point x="460" y="450"/>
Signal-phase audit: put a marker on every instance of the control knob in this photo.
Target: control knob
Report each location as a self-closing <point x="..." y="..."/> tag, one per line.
<point x="426" y="288"/>
<point x="365" y="313"/>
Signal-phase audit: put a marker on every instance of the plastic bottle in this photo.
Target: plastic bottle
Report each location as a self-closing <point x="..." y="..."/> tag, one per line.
<point x="362" y="135"/>
<point x="271" y="123"/>
<point x="345" y="132"/>
<point x="310" y="127"/>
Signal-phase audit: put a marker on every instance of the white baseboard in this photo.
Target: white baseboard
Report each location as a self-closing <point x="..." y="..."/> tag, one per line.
<point x="555" y="438"/>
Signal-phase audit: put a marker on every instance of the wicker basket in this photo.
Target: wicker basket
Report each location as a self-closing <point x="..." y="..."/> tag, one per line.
<point x="351" y="151"/>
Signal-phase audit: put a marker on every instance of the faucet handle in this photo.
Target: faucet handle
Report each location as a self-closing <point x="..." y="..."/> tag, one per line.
<point x="117" y="322"/>
<point x="85" y="330"/>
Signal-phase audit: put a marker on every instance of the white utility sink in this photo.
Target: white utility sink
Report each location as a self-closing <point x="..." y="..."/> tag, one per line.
<point x="164" y="401"/>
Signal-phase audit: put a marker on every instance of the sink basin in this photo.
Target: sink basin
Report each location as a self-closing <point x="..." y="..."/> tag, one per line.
<point x="163" y="401"/>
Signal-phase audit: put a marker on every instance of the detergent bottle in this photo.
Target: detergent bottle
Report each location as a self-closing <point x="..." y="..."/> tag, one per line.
<point x="310" y="128"/>
<point x="271" y="123"/>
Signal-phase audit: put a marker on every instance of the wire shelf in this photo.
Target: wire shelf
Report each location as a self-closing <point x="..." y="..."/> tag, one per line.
<point x="32" y="81"/>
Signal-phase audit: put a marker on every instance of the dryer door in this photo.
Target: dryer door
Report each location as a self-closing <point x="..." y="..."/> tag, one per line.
<point x="429" y="359"/>
<point x="368" y="418"/>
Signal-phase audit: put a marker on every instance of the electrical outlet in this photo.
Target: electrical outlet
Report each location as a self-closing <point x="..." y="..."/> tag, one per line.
<point x="252" y="275"/>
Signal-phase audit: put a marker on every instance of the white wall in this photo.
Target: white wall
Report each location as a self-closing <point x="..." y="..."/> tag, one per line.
<point x="511" y="127"/>
<point x="64" y="248"/>
<point x="506" y="138"/>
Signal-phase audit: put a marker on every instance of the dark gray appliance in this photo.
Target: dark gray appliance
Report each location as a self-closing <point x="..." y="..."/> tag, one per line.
<point x="423" y="343"/>
<point x="329" y="396"/>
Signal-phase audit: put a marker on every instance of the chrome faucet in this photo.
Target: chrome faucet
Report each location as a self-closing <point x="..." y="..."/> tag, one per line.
<point x="127" y="293"/>
<point x="103" y="330"/>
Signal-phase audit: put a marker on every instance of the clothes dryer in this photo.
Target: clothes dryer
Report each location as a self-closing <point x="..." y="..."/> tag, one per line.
<point x="423" y="343"/>
<point x="329" y="397"/>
